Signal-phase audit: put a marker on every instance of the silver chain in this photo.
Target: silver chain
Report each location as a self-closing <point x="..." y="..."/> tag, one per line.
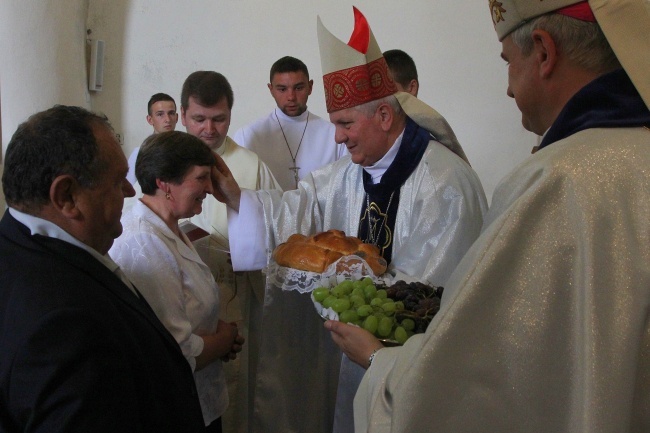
<point x="295" y="168"/>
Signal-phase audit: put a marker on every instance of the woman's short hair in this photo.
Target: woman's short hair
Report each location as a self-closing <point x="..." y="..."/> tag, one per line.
<point x="168" y="156"/>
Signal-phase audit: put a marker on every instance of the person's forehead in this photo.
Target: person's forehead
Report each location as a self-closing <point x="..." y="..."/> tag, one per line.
<point x="194" y="108"/>
<point x="289" y="78"/>
<point x="163" y="106"/>
<point x="196" y="171"/>
<point x="509" y="48"/>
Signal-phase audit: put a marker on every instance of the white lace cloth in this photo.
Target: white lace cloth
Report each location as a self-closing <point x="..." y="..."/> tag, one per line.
<point x="345" y="268"/>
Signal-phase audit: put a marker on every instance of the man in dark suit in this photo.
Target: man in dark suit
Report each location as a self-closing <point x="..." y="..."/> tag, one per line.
<point x="80" y="349"/>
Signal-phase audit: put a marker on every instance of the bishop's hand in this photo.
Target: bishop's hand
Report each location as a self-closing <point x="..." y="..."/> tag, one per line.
<point x="225" y="187"/>
<point x="357" y="343"/>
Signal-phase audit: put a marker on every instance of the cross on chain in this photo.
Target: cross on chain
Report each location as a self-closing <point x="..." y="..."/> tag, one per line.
<point x="295" y="173"/>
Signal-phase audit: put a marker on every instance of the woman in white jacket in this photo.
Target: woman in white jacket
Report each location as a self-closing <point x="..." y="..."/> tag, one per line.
<point x="173" y="169"/>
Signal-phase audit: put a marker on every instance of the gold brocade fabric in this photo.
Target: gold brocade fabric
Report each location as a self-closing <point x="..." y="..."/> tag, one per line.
<point x="545" y="324"/>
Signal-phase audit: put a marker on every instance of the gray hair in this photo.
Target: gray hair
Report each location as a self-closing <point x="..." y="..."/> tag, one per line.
<point x="369" y="108"/>
<point x="582" y="42"/>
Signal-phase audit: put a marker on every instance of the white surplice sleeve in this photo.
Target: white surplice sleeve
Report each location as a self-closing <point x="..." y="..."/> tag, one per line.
<point x="247" y="233"/>
<point x="265" y="178"/>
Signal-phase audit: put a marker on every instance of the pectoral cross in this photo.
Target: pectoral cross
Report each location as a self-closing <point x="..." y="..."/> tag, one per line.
<point x="295" y="172"/>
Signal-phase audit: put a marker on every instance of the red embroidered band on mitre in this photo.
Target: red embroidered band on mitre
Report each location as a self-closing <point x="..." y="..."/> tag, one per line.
<point x="357" y="85"/>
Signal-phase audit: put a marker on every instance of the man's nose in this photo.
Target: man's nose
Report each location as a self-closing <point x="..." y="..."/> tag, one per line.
<point x="210" y="126"/>
<point x="127" y="189"/>
<point x="340" y="137"/>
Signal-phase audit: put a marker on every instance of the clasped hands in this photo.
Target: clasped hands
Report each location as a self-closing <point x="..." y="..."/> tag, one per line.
<point x="237" y="344"/>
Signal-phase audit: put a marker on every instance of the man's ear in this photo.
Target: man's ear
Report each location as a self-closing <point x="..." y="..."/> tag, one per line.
<point x="149" y="120"/>
<point x="183" y="116"/>
<point x="545" y="51"/>
<point x="413" y="87"/>
<point x="64" y="193"/>
<point x="386" y="116"/>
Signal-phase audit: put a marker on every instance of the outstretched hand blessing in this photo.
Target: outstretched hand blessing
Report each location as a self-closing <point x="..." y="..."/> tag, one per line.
<point x="226" y="189"/>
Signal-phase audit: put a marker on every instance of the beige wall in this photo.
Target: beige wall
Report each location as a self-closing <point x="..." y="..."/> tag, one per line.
<point x="152" y="46"/>
<point x="42" y="47"/>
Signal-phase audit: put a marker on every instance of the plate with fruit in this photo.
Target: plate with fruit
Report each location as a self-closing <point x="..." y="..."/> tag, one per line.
<point x="304" y="263"/>
<point x="391" y="313"/>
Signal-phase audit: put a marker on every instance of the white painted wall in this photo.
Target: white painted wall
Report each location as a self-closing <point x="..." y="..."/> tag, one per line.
<point x="42" y="45"/>
<point x="42" y="59"/>
<point x="152" y="46"/>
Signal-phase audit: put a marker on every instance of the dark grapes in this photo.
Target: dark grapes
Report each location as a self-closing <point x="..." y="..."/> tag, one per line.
<point x="421" y="302"/>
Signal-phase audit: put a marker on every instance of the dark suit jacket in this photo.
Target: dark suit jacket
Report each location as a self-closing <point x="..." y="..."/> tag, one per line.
<point x="78" y="351"/>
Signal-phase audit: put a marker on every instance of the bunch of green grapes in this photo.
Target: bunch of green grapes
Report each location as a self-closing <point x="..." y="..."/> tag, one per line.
<point x="361" y="303"/>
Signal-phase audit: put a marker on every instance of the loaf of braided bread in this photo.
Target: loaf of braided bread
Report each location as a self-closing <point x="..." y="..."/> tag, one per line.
<point x="315" y="253"/>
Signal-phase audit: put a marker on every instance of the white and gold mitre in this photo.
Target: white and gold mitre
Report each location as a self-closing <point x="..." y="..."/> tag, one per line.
<point x="625" y="23"/>
<point x="356" y="72"/>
